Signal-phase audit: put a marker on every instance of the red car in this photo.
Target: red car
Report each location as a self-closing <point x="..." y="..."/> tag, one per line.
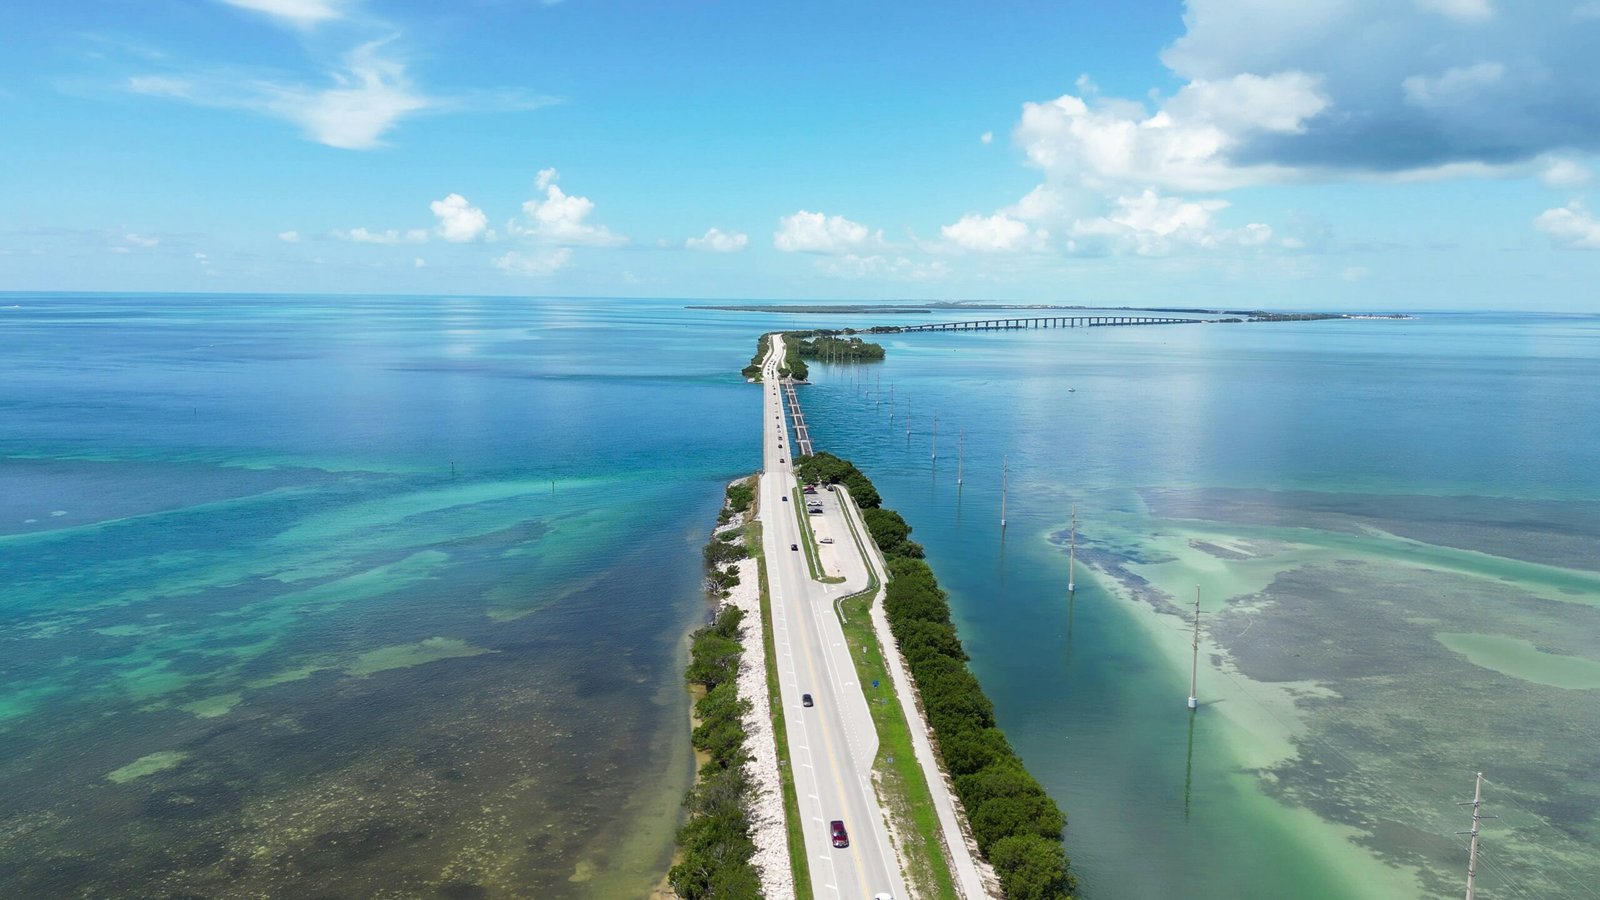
<point x="837" y="832"/>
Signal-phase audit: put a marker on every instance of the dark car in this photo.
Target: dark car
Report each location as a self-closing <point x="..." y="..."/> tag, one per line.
<point x="837" y="832"/>
<point x="780" y="459"/>
<point x="786" y="498"/>
<point x="805" y="700"/>
<point x="794" y="546"/>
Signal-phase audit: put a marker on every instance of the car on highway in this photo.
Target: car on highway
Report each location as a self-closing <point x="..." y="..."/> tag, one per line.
<point x="805" y="700"/>
<point x="794" y="546"/>
<point x="837" y="832"/>
<point x="780" y="459"/>
<point x="825" y="541"/>
<point x="786" y="499"/>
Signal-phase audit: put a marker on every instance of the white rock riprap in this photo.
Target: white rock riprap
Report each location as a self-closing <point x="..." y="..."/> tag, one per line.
<point x="766" y="803"/>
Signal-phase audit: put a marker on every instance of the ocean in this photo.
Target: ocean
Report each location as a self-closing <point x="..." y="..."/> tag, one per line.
<point x="388" y="596"/>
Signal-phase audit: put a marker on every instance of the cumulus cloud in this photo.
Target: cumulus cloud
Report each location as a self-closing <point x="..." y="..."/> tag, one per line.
<point x="1188" y="143"/>
<point x="391" y="236"/>
<point x="1570" y="226"/>
<point x="815" y="232"/>
<point x="141" y="240"/>
<point x="1152" y="225"/>
<point x="289" y="237"/>
<point x="300" y="13"/>
<point x="534" y="264"/>
<point x="719" y="241"/>
<point x="561" y="219"/>
<point x="1405" y="91"/>
<point x="459" y="221"/>
<point x="999" y="233"/>
<point x="987" y="137"/>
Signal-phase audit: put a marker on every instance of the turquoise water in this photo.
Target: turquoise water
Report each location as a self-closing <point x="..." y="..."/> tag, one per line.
<point x="350" y="595"/>
<point x="1334" y="487"/>
<point x="387" y="595"/>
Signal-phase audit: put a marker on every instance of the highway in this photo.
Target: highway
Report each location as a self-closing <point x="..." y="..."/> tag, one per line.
<point x="833" y="743"/>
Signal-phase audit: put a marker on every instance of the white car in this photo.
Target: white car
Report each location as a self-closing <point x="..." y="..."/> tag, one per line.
<point x="825" y="541"/>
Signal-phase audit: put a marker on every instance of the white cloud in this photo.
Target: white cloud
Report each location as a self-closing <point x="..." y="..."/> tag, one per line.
<point x="814" y="232"/>
<point x="370" y="94"/>
<point x="459" y="221"/>
<point x="1454" y="86"/>
<point x="1460" y="10"/>
<point x="719" y="241"/>
<point x="542" y="262"/>
<point x="895" y="268"/>
<point x="301" y="13"/>
<point x="987" y="137"/>
<point x="1152" y="225"/>
<point x="1497" y="97"/>
<point x="369" y="98"/>
<point x="419" y="263"/>
<point x="1565" y="173"/>
<point x="289" y="237"/>
<point x="141" y="240"/>
<point x="1186" y="144"/>
<point x="1570" y="226"/>
<point x="392" y="236"/>
<point x="561" y="218"/>
<point x="998" y="233"/>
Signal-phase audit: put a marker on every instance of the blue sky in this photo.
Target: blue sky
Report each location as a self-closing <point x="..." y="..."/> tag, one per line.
<point x="1349" y="154"/>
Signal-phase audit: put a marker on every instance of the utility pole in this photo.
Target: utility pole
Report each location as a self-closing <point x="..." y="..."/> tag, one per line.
<point x="961" y="452"/>
<point x="1472" y="847"/>
<point x="1194" y="663"/>
<point x="1072" y="558"/>
<point x="935" y="454"/>
<point x="1004" y="470"/>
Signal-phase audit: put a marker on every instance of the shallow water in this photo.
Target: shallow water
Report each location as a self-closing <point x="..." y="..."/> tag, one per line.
<point x="385" y="596"/>
<point x="1342" y="492"/>
<point x="352" y="596"/>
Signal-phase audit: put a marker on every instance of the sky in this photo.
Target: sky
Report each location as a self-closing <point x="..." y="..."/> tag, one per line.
<point x="1329" y="154"/>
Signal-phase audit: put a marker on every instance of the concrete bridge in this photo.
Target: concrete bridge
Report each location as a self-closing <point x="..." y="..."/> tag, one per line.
<point x="802" y="437"/>
<point x="1049" y="322"/>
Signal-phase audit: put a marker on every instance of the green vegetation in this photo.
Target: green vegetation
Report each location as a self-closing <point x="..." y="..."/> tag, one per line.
<point x="714" y="845"/>
<point x="830" y="346"/>
<point x="741" y="494"/>
<point x="825" y="468"/>
<point x="1016" y="824"/>
<point x="780" y="734"/>
<point x="901" y="781"/>
<point x="793" y="366"/>
<point x="754" y="369"/>
<point x="823" y="345"/>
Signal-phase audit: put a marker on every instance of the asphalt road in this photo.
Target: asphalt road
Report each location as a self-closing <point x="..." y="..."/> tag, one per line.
<point x="831" y="744"/>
